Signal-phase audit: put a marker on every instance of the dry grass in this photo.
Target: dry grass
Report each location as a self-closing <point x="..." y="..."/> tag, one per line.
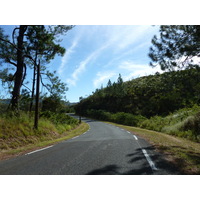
<point x="181" y="152"/>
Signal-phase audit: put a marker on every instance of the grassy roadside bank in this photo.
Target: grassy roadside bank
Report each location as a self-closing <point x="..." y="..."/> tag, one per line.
<point x="46" y="140"/>
<point x="184" y="154"/>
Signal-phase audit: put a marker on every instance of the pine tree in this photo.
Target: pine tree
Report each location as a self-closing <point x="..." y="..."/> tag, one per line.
<point x="176" y="47"/>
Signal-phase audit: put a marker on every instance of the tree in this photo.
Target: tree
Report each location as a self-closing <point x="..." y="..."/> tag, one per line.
<point x="177" y="47"/>
<point x="55" y="86"/>
<point x="109" y="84"/>
<point x="29" y="44"/>
<point x="13" y="53"/>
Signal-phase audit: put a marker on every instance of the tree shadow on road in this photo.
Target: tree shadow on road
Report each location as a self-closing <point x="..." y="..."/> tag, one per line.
<point x="115" y="170"/>
<point x="163" y="166"/>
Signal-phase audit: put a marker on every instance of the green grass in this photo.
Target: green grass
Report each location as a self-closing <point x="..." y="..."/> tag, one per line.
<point x="175" y="123"/>
<point x="33" y="143"/>
<point x="17" y="133"/>
<point x="183" y="153"/>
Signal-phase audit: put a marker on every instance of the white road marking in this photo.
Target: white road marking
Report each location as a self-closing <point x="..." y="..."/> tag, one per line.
<point x="135" y="137"/>
<point x="39" y="150"/>
<point x="75" y="137"/>
<point x="128" y="132"/>
<point x="151" y="163"/>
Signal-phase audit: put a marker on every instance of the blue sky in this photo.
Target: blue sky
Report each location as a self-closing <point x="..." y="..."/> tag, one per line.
<point x="97" y="53"/>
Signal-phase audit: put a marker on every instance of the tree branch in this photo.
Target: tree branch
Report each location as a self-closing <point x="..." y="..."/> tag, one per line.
<point x="27" y="88"/>
<point x="10" y="43"/>
<point x="13" y="34"/>
<point x="43" y="83"/>
<point x="9" y="61"/>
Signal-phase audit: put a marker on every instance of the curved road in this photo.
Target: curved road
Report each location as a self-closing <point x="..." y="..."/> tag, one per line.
<point x="103" y="149"/>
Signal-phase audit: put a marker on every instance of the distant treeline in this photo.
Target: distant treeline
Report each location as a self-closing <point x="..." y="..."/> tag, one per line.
<point x="158" y="94"/>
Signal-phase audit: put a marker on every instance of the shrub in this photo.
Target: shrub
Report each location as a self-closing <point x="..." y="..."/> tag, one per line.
<point x="192" y="123"/>
<point x="59" y="118"/>
<point x="120" y="117"/>
<point x="155" y="123"/>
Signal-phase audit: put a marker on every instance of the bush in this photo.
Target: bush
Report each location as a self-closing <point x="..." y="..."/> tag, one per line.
<point x="120" y="117"/>
<point x="127" y="118"/>
<point x="59" y="118"/>
<point x="99" y="114"/>
<point x="155" y="123"/>
<point x="192" y="123"/>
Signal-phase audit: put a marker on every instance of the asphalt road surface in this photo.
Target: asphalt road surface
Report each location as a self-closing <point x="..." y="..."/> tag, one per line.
<point x="103" y="150"/>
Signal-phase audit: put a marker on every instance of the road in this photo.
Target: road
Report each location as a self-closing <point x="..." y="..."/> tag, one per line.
<point x="103" y="150"/>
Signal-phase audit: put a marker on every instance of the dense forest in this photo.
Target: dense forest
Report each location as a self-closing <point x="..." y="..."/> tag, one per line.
<point x="158" y="94"/>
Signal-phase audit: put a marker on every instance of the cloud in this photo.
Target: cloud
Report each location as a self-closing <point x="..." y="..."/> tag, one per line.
<point x="132" y="35"/>
<point x="103" y="77"/>
<point x="80" y="69"/>
<point x="132" y="70"/>
<point x="82" y="66"/>
<point x="67" y="55"/>
<point x="117" y="38"/>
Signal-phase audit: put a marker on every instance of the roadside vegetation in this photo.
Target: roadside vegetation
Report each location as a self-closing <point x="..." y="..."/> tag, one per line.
<point x="156" y="102"/>
<point x="18" y="135"/>
<point x="30" y="115"/>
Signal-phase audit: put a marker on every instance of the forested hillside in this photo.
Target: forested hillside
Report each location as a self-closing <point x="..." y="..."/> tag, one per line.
<point x="158" y="94"/>
<point x="165" y="102"/>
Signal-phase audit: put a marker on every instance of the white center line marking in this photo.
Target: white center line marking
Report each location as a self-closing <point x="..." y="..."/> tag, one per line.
<point x="151" y="163"/>
<point x="135" y="137"/>
<point x="39" y="150"/>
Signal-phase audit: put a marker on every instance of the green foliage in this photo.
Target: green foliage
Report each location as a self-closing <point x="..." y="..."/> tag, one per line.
<point x="176" y="46"/>
<point x="55" y="86"/>
<point x="29" y="46"/>
<point x="121" y="117"/>
<point x="59" y="118"/>
<point x="16" y="131"/>
<point x="158" y="94"/>
<point x="183" y="123"/>
<point x="192" y="124"/>
<point x="127" y="119"/>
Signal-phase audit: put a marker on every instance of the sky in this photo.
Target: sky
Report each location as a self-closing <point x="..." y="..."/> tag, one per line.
<point x="96" y="53"/>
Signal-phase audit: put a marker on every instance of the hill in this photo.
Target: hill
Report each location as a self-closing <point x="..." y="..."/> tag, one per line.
<point x="150" y="102"/>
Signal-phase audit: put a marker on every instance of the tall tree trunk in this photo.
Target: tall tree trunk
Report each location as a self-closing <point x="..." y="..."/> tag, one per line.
<point x="19" y="72"/>
<point x="33" y="84"/>
<point x="37" y="97"/>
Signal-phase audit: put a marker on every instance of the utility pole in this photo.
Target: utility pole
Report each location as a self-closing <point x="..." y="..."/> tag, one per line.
<point x="37" y="97"/>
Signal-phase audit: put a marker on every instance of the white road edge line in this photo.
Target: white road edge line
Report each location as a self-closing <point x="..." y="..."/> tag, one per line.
<point x="151" y="163"/>
<point x="39" y="150"/>
<point x="135" y="137"/>
<point x="75" y="137"/>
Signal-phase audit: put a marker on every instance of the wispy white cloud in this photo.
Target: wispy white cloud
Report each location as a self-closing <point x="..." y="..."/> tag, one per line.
<point x="132" y="35"/>
<point x="114" y="40"/>
<point x="82" y="66"/>
<point x="132" y="70"/>
<point x="103" y="77"/>
<point x="67" y="55"/>
<point x="75" y="75"/>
